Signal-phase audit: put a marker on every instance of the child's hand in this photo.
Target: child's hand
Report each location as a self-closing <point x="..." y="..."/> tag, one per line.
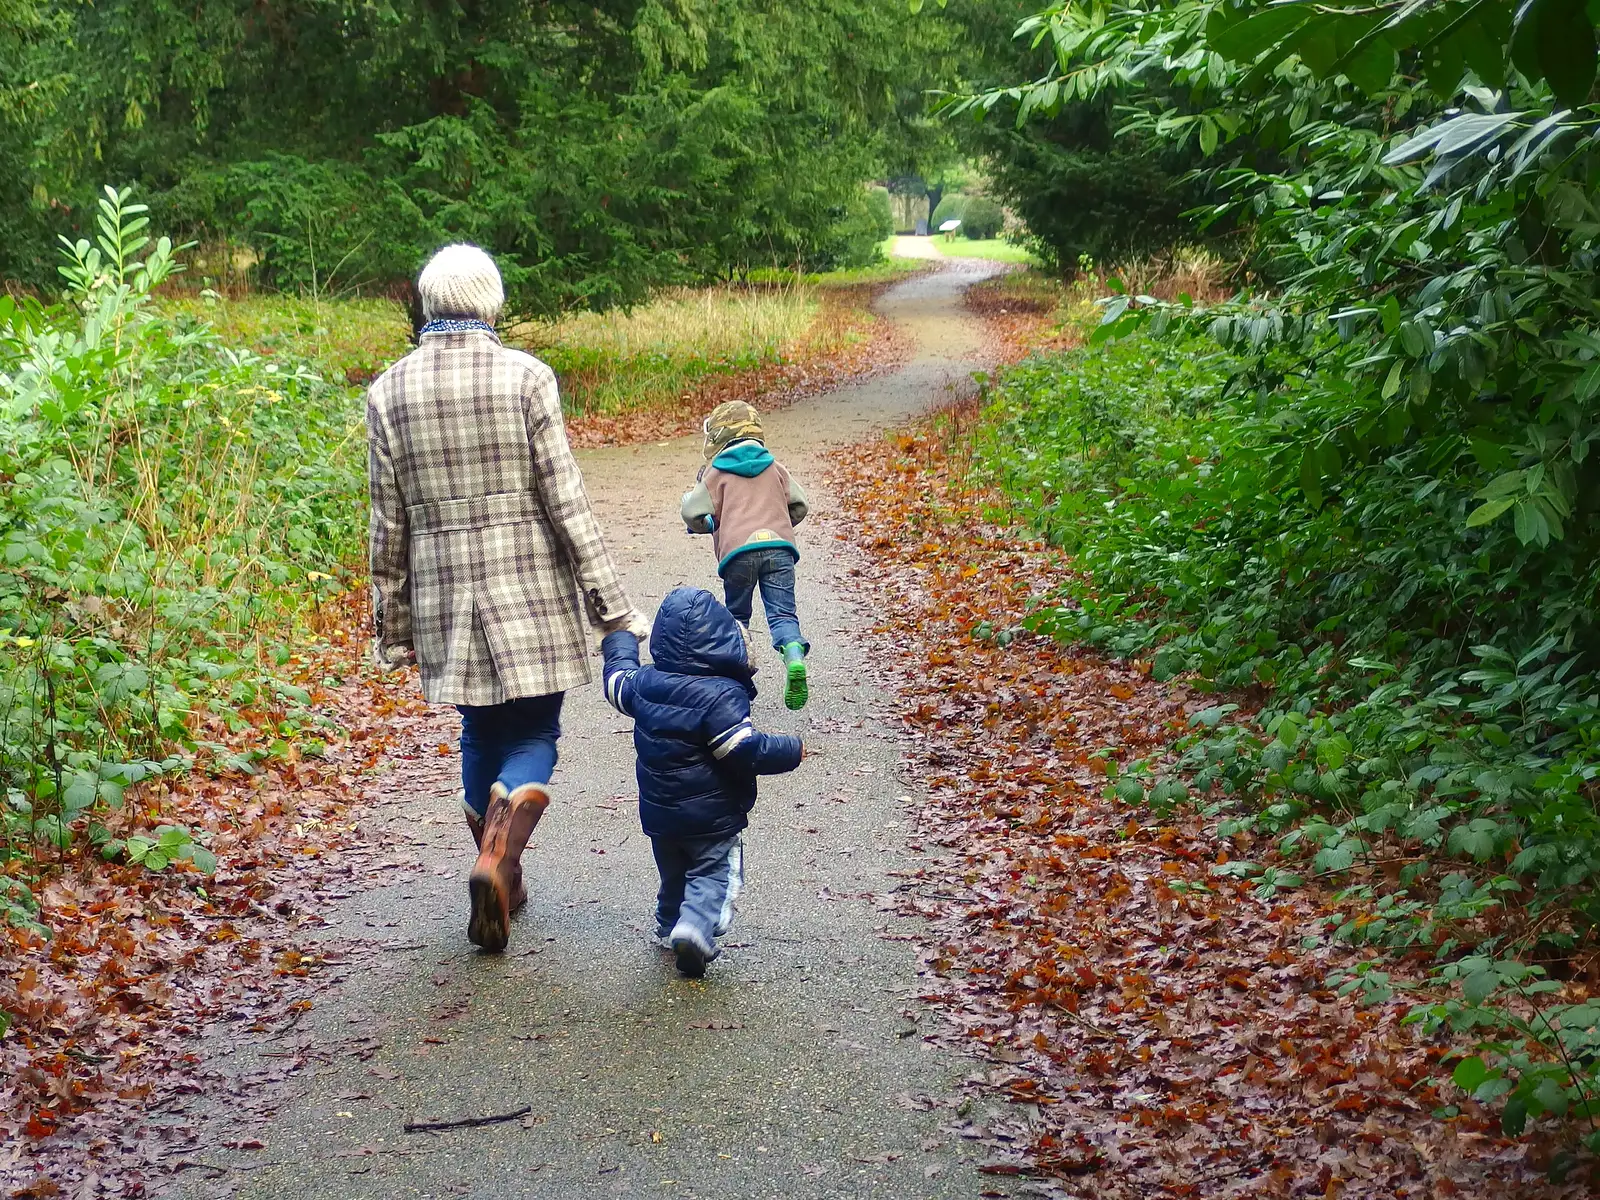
<point x="803" y="752"/>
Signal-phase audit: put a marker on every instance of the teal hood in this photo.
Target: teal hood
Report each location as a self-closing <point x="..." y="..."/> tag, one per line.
<point x="747" y="458"/>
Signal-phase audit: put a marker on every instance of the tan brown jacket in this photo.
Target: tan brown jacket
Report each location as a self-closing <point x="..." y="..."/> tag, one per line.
<point x="745" y="500"/>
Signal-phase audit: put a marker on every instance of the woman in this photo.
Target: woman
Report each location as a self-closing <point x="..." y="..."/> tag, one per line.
<point x="486" y="560"/>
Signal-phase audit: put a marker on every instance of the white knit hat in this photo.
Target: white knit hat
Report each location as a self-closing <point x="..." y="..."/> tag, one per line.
<point x="461" y="281"/>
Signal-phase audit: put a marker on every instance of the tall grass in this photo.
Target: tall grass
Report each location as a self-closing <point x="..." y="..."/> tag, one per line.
<point x="615" y="361"/>
<point x="608" y="362"/>
<point x="726" y="324"/>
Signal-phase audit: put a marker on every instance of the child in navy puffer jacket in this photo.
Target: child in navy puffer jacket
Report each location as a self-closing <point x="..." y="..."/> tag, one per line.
<point x="699" y="756"/>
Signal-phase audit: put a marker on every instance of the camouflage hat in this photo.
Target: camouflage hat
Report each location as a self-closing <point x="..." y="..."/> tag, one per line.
<point x="730" y="421"/>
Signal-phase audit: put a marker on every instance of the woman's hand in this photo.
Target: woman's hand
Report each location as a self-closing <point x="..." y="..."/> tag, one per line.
<point x="393" y="658"/>
<point x="633" y="623"/>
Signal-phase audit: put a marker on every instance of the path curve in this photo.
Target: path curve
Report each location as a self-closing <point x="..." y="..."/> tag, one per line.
<point x="793" y="1069"/>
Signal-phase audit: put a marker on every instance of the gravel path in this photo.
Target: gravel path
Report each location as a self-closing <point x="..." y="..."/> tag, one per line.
<point x="793" y="1070"/>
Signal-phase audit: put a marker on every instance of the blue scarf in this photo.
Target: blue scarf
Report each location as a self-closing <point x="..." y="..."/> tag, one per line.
<point x="451" y="325"/>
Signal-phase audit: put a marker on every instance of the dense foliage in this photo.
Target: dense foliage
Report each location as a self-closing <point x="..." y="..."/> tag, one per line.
<point x="1082" y="190"/>
<point x="167" y="502"/>
<point x="1366" y="502"/>
<point x="601" y="150"/>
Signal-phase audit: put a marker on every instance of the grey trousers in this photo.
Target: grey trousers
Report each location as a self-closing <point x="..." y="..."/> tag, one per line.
<point x="700" y="880"/>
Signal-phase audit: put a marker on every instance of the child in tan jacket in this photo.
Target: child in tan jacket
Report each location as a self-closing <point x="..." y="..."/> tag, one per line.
<point x="749" y="504"/>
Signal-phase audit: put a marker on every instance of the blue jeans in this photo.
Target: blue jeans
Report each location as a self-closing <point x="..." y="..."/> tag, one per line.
<point x="512" y="743"/>
<point x="773" y="571"/>
<point x="700" y="880"/>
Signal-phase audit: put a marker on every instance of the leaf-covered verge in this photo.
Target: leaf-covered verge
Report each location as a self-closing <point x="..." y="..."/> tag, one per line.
<point x="1362" y="496"/>
<point x="1029" y="311"/>
<point x="1025" y="311"/>
<point x="1393" y="710"/>
<point x="106" y="1068"/>
<point x="182" y="712"/>
<point x="1153" y="996"/>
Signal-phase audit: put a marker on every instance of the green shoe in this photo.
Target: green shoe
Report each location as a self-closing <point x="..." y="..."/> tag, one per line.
<point x="796" y="691"/>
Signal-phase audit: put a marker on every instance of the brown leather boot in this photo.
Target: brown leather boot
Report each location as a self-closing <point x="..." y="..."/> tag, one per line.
<point x="496" y="878"/>
<point x="519" y="894"/>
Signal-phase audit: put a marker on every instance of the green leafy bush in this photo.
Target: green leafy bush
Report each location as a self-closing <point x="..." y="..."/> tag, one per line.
<point x="1419" y="700"/>
<point x="319" y="228"/>
<point x="1381" y="530"/>
<point x="1416" y="695"/>
<point x="982" y="218"/>
<point x="851" y="236"/>
<point x="882" y="212"/>
<point x="170" y="500"/>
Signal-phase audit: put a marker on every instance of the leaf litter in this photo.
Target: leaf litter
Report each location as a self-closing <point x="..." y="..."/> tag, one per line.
<point x="115" y="1018"/>
<point x="1148" y="1028"/>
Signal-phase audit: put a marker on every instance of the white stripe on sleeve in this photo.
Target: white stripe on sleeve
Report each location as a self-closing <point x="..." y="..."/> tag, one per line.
<point x="614" y="683"/>
<point x="722" y="745"/>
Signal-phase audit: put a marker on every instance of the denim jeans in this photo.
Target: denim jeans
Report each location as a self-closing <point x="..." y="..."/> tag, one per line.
<point x="700" y="880"/>
<point x="772" y="570"/>
<point x="512" y="743"/>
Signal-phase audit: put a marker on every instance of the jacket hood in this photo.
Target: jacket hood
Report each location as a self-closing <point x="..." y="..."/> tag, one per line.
<point x="695" y="635"/>
<point x="747" y="458"/>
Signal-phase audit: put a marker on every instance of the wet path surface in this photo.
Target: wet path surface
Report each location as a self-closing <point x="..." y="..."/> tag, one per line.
<point x="793" y="1069"/>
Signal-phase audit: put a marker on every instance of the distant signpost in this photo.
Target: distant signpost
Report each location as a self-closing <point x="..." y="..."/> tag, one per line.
<point x="949" y="227"/>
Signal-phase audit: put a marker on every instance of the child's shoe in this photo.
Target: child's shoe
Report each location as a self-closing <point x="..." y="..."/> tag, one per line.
<point x="796" y="691"/>
<point x="691" y="949"/>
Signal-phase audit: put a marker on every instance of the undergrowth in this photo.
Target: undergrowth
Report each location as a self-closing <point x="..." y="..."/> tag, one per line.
<point x="349" y="340"/>
<point x="172" y="505"/>
<point x="1407" y="705"/>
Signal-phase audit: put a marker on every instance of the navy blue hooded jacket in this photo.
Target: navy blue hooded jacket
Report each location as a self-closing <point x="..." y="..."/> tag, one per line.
<point x="699" y="754"/>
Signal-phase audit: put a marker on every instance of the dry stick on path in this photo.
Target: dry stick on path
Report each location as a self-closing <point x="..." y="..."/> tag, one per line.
<point x="466" y="1122"/>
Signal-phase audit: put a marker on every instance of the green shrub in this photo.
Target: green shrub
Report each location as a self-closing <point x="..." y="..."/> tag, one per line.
<point x="318" y="227"/>
<point x="170" y="504"/>
<point x="350" y="339"/>
<point x="982" y="218"/>
<point x="881" y="211"/>
<point x="1428" y="689"/>
<point x="853" y="237"/>
<point x="1087" y="196"/>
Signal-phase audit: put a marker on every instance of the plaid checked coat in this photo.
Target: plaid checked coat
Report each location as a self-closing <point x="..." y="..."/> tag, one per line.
<point x="485" y="554"/>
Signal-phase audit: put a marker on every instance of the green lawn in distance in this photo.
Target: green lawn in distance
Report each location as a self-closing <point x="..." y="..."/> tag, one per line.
<point x="994" y="249"/>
